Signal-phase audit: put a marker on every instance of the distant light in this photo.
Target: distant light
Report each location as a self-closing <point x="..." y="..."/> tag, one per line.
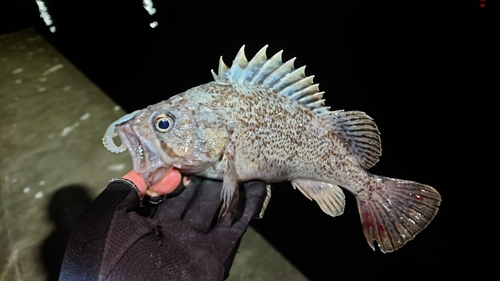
<point x="153" y="24"/>
<point x="148" y="6"/>
<point x="44" y="14"/>
<point x="483" y="3"/>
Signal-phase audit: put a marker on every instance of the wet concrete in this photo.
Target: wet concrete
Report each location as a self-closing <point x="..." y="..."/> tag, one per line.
<point x="53" y="163"/>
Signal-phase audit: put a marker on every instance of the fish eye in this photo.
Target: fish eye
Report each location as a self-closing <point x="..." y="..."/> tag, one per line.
<point x="163" y="123"/>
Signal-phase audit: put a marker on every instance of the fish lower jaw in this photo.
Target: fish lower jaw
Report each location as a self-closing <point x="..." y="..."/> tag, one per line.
<point x="152" y="178"/>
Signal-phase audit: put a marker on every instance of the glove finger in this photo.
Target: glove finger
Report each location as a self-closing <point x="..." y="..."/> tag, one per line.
<point x="116" y="186"/>
<point x="173" y="207"/>
<point x="205" y="206"/>
<point x="253" y="194"/>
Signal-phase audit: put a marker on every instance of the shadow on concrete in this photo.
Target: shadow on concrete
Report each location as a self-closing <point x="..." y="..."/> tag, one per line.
<point x="64" y="208"/>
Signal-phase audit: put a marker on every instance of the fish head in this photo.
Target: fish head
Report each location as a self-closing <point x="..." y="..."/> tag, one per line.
<point x="169" y="134"/>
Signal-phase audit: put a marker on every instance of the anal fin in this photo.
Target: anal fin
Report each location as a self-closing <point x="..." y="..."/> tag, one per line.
<point x="330" y="198"/>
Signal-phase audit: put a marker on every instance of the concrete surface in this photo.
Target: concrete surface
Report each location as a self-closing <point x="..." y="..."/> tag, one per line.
<point x="53" y="163"/>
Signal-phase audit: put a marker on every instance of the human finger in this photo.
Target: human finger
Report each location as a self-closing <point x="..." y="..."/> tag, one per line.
<point x="137" y="179"/>
<point x="165" y="185"/>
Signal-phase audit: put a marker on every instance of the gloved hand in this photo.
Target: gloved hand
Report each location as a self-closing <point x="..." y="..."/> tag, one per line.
<point x="117" y="239"/>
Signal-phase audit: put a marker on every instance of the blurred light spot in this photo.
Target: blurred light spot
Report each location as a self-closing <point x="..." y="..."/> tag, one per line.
<point x="44" y="14"/>
<point x="116" y="167"/>
<point x="148" y="6"/>
<point x="68" y="129"/>
<point x="34" y="38"/>
<point x="52" y="69"/>
<point x="153" y="24"/>
<point x="26" y="190"/>
<point x="85" y="116"/>
<point x="38" y="195"/>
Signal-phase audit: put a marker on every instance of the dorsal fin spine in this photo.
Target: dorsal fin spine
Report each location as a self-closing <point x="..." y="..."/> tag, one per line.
<point x="291" y="78"/>
<point x="255" y="64"/>
<point x="267" y="68"/>
<point x="297" y="86"/>
<point x="312" y="98"/>
<point x="309" y="90"/>
<point x="238" y="68"/>
<point x="278" y="74"/>
<point x="223" y="69"/>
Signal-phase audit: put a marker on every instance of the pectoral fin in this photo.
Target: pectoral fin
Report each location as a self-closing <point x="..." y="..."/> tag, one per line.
<point x="229" y="193"/>
<point x="329" y="197"/>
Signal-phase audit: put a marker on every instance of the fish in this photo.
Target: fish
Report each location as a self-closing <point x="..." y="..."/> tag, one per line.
<point x="263" y="119"/>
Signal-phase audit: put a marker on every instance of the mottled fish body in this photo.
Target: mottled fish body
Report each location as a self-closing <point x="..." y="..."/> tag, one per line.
<point x="263" y="119"/>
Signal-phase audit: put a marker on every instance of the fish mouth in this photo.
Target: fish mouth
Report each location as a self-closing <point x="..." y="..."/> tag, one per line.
<point x="146" y="161"/>
<point x="156" y="175"/>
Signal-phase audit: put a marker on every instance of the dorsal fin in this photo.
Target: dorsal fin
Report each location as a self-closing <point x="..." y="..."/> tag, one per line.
<point x="359" y="133"/>
<point x="274" y="74"/>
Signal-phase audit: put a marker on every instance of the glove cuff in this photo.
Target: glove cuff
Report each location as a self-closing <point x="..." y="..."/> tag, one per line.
<point x="129" y="183"/>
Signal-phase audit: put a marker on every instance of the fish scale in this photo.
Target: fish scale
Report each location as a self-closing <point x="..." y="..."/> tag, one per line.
<point x="265" y="120"/>
<point x="260" y="136"/>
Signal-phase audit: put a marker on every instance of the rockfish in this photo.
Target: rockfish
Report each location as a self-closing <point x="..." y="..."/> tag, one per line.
<point x="265" y="120"/>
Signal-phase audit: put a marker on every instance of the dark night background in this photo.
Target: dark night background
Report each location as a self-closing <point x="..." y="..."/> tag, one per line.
<point x="418" y="68"/>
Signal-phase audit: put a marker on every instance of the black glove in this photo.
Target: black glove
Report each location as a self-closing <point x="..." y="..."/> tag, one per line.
<point x="117" y="239"/>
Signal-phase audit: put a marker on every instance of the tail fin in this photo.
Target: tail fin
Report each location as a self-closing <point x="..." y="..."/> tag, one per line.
<point x="395" y="211"/>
